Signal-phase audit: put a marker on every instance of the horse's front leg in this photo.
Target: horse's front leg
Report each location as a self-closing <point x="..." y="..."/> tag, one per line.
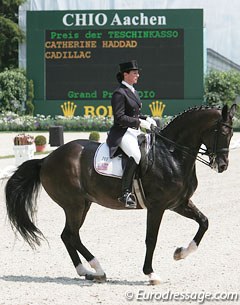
<point x="154" y="217"/>
<point x="189" y="210"/>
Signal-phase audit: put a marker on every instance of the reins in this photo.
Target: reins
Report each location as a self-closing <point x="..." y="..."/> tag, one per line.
<point x="184" y="149"/>
<point x="193" y="152"/>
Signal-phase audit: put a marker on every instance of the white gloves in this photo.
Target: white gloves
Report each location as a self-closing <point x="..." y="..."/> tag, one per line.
<point x="151" y="121"/>
<point x="145" y="124"/>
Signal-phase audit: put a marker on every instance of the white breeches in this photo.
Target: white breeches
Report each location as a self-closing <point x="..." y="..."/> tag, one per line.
<point x="129" y="144"/>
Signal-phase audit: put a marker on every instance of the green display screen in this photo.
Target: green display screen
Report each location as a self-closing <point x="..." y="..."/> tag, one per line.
<point x="82" y="63"/>
<point x="74" y="56"/>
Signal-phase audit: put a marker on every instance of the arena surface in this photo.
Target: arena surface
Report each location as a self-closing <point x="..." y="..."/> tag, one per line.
<point x="47" y="277"/>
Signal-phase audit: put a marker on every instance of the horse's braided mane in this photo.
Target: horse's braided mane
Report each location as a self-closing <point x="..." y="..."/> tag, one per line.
<point x="189" y="110"/>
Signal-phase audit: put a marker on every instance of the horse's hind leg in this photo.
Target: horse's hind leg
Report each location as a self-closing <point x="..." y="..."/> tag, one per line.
<point x="189" y="210"/>
<point x="70" y="237"/>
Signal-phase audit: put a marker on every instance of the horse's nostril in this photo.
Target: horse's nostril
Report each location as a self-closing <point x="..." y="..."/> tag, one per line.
<point x="222" y="168"/>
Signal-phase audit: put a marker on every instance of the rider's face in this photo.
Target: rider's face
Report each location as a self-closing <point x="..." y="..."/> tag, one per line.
<point x="132" y="77"/>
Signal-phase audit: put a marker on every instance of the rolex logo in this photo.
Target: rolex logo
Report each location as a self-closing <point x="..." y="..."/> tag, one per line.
<point x="157" y="108"/>
<point x="68" y="109"/>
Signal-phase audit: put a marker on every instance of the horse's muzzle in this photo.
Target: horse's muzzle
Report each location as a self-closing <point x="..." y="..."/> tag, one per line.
<point x="219" y="164"/>
<point x="222" y="167"/>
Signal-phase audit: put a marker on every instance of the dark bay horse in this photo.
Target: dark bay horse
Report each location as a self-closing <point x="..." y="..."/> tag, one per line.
<point x="69" y="178"/>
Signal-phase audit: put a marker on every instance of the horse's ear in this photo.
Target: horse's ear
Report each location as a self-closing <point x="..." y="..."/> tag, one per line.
<point x="232" y="110"/>
<point x="225" y="113"/>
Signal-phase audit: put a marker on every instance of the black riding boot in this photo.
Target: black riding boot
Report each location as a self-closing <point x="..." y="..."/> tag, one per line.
<point x="127" y="181"/>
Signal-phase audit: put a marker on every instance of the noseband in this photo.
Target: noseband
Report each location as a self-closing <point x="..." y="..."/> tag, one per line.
<point x="214" y="151"/>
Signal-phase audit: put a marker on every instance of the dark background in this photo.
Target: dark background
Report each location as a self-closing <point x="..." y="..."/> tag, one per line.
<point x="161" y="61"/>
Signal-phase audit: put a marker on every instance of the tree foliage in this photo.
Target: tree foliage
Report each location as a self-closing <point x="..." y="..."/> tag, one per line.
<point x="30" y="98"/>
<point x="13" y="85"/>
<point x="222" y="87"/>
<point x="10" y="34"/>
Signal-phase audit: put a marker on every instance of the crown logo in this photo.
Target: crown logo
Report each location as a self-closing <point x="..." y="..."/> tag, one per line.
<point x="68" y="109"/>
<point x="157" y="108"/>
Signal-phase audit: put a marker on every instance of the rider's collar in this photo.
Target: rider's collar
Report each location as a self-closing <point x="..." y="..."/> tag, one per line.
<point x="129" y="86"/>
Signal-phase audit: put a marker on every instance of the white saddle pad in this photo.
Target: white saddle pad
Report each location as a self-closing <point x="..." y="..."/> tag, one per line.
<point x="106" y="166"/>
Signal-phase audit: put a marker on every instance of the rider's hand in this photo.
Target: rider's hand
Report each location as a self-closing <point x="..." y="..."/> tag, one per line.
<point x="145" y="124"/>
<point x="151" y="121"/>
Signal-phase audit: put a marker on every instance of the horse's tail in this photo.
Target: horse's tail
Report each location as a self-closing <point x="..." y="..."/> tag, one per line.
<point x="21" y="193"/>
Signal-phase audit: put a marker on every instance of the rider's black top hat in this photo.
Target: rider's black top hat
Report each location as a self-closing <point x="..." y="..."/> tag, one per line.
<point x="128" y="66"/>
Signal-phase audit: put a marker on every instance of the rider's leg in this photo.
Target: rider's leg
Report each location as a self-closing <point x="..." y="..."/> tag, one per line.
<point x="129" y="145"/>
<point x="127" y="181"/>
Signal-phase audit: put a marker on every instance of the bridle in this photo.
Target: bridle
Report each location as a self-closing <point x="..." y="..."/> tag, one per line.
<point x="214" y="151"/>
<point x="210" y="152"/>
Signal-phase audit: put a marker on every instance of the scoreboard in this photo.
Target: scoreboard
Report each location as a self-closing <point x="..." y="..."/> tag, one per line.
<point x="74" y="56"/>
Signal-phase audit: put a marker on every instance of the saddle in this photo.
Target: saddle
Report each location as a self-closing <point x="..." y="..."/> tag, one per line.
<point x="113" y="167"/>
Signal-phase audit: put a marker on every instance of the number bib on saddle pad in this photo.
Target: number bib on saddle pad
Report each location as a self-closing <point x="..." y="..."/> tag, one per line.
<point x="106" y="166"/>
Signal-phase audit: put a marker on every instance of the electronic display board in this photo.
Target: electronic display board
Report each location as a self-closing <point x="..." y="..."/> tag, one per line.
<point x="79" y="65"/>
<point x="75" y="55"/>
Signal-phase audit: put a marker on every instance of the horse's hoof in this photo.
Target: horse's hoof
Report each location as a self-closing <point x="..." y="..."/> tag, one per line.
<point x="178" y="254"/>
<point x="154" y="282"/>
<point x="154" y="279"/>
<point x="96" y="278"/>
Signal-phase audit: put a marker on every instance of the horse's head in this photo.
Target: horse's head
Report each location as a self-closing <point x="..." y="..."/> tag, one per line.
<point x="217" y="139"/>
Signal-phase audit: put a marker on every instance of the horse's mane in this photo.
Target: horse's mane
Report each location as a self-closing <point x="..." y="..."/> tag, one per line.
<point x="187" y="111"/>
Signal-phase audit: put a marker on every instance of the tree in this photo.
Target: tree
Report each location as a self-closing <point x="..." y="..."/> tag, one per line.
<point x="10" y="34"/>
<point x="13" y="85"/>
<point x="222" y="87"/>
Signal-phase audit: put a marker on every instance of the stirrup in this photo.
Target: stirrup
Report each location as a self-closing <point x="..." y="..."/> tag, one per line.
<point x="129" y="200"/>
